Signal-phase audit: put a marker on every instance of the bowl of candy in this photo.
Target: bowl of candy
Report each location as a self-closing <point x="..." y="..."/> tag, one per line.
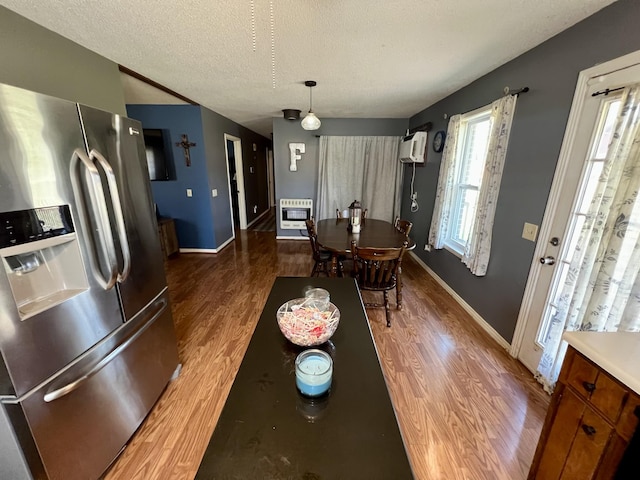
<point x="304" y="324"/>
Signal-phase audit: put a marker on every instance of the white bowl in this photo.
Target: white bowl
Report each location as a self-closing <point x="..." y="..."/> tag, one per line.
<point x="306" y="325"/>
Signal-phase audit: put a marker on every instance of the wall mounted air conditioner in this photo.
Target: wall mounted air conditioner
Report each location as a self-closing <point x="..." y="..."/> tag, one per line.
<point x="412" y="148"/>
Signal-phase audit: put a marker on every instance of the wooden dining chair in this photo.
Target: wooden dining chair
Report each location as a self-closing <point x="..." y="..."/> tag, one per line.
<point x="378" y="270"/>
<point x="322" y="259"/>
<point x="403" y="226"/>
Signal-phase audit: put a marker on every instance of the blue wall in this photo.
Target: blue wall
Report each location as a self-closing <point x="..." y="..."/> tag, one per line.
<point x="193" y="216"/>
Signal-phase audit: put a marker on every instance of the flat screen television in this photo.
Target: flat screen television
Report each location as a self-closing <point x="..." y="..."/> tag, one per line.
<point x="158" y="156"/>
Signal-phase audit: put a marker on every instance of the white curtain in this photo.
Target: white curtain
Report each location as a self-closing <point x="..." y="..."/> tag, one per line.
<point x="602" y="289"/>
<point x="478" y="249"/>
<point x="444" y="190"/>
<point x="476" y="255"/>
<point x="359" y="168"/>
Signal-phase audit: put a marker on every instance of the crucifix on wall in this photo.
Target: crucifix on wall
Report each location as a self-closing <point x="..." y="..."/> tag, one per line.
<point x="186" y="144"/>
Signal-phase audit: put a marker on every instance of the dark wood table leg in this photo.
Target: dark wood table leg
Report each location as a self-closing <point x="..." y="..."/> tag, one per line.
<point x="399" y="289"/>
<point x="334" y="265"/>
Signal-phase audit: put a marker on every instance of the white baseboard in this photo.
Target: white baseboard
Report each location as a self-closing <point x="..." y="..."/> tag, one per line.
<point x="291" y="238"/>
<point x="475" y="315"/>
<point x="229" y="240"/>
<point x="207" y="250"/>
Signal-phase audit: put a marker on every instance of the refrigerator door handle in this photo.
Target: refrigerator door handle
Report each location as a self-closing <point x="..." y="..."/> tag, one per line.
<point x="117" y="210"/>
<point x="99" y="209"/>
<point x="58" y="392"/>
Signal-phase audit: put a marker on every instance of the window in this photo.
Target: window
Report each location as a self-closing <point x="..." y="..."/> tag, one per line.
<point x="469" y="183"/>
<point x="469" y="166"/>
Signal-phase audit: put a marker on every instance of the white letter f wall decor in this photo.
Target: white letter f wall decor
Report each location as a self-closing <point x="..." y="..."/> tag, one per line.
<point x="296" y="149"/>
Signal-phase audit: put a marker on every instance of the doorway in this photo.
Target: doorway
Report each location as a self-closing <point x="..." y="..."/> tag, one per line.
<point x="597" y="100"/>
<point x="271" y="179"/>
<point x="235" y="177"/>
<point x="233" y="184"/>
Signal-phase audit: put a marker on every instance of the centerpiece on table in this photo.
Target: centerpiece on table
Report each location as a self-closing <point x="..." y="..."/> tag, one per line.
<point x="309" y="321"/>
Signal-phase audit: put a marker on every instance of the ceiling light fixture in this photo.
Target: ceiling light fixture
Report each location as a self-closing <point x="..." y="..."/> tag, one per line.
<point x="310" y="122"/>
<point x="291" y="114"/>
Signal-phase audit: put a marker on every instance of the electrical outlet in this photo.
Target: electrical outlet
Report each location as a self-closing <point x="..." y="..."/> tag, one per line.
<point x="189" y="192"/>
<point x="530" y="231"/>
<point x="214" y="192"/>
<point x="427" y="247"/>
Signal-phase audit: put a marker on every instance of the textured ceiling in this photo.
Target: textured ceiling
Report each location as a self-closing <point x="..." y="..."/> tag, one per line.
<point x="248" y="59"/>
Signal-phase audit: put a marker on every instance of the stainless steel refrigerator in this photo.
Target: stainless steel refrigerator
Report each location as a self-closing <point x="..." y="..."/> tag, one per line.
<point x="86" y="333"/>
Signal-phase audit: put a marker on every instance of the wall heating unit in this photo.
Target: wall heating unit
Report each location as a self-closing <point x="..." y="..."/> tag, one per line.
<point x="294" y="212"/>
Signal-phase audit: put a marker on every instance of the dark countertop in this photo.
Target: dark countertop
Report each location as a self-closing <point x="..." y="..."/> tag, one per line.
<point x="267" y="430"/>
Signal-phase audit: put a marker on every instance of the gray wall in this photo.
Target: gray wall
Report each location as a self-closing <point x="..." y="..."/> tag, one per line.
<point x="254" y="164"/>
<point x="304" y="182"/>
<point x="551" y="71"/>
<point x="37" y="59"/>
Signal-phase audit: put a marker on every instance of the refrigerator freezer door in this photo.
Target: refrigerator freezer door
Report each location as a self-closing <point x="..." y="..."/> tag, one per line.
<point x="39" y="136"/>
<point x="118" y="141"/>
<point x="82" y="418"/>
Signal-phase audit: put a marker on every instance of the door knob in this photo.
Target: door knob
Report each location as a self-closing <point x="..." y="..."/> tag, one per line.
<point x="548" y="260"/>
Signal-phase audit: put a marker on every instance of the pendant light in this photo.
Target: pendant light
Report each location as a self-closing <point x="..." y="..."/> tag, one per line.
<point x="310" y="122"/>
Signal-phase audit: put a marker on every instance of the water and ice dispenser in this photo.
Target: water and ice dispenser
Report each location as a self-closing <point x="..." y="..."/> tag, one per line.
<point x="41" y="257"/>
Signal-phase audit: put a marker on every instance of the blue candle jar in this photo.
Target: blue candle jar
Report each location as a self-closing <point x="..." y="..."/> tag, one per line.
<point x="314" y="369"/>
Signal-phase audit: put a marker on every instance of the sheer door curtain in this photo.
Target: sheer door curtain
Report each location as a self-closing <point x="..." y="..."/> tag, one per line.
<point x="360" y="168"/>
<point x="601" y="292"/>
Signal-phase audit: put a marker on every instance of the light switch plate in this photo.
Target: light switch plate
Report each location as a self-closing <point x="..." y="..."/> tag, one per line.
<point x="214" y="192"/>
<point x="189" y="192"/>
<point x="530" y="231"/>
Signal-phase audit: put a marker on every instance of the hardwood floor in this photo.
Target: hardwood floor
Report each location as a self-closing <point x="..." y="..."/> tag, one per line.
<point x="466" y="409"/>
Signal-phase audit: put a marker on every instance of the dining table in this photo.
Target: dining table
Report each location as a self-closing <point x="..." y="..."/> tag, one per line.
<point x="335" y="236"/>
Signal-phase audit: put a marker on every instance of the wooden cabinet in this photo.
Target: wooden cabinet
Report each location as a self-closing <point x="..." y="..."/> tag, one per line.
<point x="590" y="421"/>
<point x="168" y="237"/>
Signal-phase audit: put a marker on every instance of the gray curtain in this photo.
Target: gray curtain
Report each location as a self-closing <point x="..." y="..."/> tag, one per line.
<point x="359" y="168"/>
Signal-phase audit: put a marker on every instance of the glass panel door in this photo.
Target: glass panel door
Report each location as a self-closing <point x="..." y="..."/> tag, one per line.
<point x="608" y="112"/>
